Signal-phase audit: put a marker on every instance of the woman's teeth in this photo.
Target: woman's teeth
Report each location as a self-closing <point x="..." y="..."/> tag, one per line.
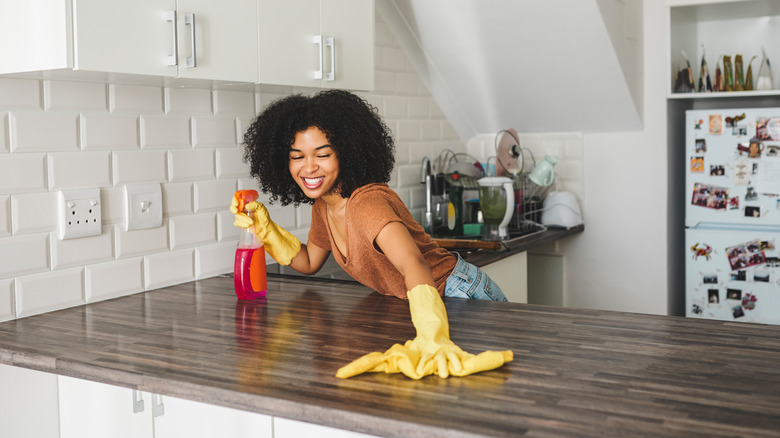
<point x="313" y="182"/>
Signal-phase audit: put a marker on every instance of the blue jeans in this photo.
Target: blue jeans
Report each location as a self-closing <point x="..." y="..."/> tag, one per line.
<point x="468" y="281"/>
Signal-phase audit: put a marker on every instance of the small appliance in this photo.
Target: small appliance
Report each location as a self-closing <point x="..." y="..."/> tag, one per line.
<point x="561" y="209"/>
<point x="497" y="201"/>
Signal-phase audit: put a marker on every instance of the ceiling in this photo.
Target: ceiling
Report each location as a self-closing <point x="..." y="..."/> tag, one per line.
<point x="535" y="66"/>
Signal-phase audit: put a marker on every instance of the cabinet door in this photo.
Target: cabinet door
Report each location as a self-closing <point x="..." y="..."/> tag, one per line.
<point x="123" y="36"/>
<point x="189" y="419"/>
<point x="225" y="44"/>
<point x="95" y="410"/>
<point x="288" y="54"/>
<point x="351" y="24"/>
<point x="284" y="428"/>
<point x="28" y="407"/>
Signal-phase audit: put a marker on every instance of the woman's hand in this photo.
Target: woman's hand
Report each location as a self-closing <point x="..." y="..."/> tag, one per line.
<point x="278" y="242"/>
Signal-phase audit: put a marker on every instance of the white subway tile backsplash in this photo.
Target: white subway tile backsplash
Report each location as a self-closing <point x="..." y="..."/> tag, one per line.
<point x="177" y="199"/>
<point x="215" y="132"/>
<point x="230" y="163"/>
<point x="113" y="205"/>
<point x="136" y="99"/>
<point x="165" y="132"/>
<point x="189" y="101"/>
<point x="419" y="107"/>
<point x="20" y="93"/>
<point x="234" y="102"/>
<point x="7" y="310"/>
<point x="225" y="228"/>
<point x="138" y="166"/>
<point x="24" y="254"/>
<point x="113" y="279"/>
<point x="213" y="260"/>
<point x="430" y="129"/>
<point x="393" y="59"/>
<point x="79" y="169"/>
<point x="213" y="195"/>
<point x="193" y="230"/>
<point x="188" y="165"/>
<point x="395" y="107"/>
<point x="303" y="213"/>
<point x="5" y="215"/>
<point x="44" y="132"/>
<point x="34" y="213"/>
<point x="384" y="82"/>
<point x="407" y="84"/>
<point x="408" y="130"/>
<point x="283" y="216"/>
<point x="4" y="132"/>
<point x="110" y="132"/>
<point x="60" y="95"/>
<point x="168" y="268"/>
<point x="84" y="250"/>
<point x="41" y="293"/>
<point x="139" y="242"/>
<point x="22" y="173"/>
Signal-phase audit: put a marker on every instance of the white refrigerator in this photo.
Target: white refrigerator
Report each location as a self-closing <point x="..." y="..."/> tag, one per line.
<point x="732" y="214"/>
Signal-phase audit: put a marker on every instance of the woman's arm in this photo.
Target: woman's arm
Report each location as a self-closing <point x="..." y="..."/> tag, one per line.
<point x="310" y="259"/>
<point x="397" y="244"/>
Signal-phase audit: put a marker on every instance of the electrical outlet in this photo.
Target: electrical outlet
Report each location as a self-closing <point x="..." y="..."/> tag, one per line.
<point x="144" y="206"/>
<point x="79" y="212"/>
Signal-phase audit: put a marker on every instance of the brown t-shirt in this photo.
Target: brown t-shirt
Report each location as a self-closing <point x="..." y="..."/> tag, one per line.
<point x="368" y="210"/>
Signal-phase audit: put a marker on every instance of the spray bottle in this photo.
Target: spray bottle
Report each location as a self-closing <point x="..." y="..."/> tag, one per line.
<point x="249" y="268"/>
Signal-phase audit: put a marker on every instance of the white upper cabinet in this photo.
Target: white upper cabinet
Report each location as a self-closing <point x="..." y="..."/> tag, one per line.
<point x="185" y="38"/>
<point x="317" y="43"/>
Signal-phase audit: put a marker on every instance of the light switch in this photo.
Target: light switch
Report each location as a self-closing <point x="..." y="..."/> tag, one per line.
<point x="143" y="206"/>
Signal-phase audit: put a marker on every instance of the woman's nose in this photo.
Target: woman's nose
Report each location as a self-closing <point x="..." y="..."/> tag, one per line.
<point x="309" y="164"/>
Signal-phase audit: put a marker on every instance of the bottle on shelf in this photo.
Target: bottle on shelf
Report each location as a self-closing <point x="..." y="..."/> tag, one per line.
<point x="249" y="269"/>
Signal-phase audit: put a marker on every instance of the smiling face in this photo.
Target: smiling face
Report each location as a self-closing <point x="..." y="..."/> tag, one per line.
<point x="313" y="164"/>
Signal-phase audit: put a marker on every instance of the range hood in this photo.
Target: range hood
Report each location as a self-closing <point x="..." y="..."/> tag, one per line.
<point x="535" y="66"/>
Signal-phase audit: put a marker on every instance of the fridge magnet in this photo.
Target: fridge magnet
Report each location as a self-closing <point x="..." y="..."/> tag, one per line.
<point x="717" y="170"/>
<point x="696" y="308"/>
<point x="755" y="148"/>
<point x="772" y="151"/>
<point x="697" y="124"/>
<point x="732" y="121"/>
<point x="710" y="279"/>
<point x="701" y="145"/>
<point x="768" y="128"/>
<point x="708" y="196"/>
<point x="733" y="294"/>
<point x="697" y="164"/>
<point x="743" y="148"/>
<point x="737" y="312"/>
<point x="713" y="296"/>
<point x="767" y="245"/>
<point x="749" y="301"/>
<point x="741" y="174"/>
<point x="734" y="203"/>
<point x="716" y="124"/>
<point x="761" y="277"/>
<point x="752" y="211"/>
<point x="745" y="255"/>
<point x="772" y="262"/>
<point x="751" y="194"/>
<point x="740" y="275"/>
<point x="701" y="250"/>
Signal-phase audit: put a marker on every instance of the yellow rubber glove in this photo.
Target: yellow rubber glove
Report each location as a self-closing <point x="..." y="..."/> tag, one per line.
<point x="278" y="242"/>
<point x="432" y="351"/>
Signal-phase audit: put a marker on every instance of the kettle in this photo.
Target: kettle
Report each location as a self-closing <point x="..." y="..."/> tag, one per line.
<point x="497" y="202"/>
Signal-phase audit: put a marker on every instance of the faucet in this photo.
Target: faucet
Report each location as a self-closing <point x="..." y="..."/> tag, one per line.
<point x="426" y="178"/>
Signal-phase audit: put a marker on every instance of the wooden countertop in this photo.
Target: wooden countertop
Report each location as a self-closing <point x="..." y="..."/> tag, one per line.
<point x="575" y="373"/>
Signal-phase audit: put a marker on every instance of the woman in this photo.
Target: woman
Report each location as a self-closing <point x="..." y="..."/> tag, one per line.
<point x="333" y="150"/>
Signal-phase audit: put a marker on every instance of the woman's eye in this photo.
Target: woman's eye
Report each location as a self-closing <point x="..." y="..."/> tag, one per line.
<point x="296" y="158"/>
<point x="323" y="156"/>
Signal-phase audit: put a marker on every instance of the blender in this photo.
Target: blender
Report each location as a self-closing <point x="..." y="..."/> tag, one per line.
<point x="497" y="201"/>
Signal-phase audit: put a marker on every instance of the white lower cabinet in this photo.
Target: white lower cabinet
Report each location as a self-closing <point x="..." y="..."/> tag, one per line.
<point x="511" y="275"/>
<point x="284" y="428"/>
<point x="89" y="409"/>
<point x="28" y="405"/>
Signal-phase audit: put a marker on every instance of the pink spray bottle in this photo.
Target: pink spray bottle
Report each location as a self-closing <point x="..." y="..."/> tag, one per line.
<point x="249" y="268"/>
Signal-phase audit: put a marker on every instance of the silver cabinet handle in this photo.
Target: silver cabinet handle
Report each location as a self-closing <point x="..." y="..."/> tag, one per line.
<point x="331" y="42"/>
<point x="170" y="16"/>
<point x="138" y="402"/>
<point x="189" y="20"/>
<point x="318" y="42"/>
<point x="158" y="408"/>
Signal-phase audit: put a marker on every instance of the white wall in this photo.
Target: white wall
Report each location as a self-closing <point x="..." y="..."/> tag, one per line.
<point x="66" y="134"/>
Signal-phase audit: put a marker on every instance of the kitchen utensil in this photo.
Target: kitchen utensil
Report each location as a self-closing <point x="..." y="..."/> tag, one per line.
<point x="497" y="201"/>
<point x="561" y="210"/>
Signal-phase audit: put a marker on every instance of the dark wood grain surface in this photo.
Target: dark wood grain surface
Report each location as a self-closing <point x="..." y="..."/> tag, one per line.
<point x="576" y="372"/>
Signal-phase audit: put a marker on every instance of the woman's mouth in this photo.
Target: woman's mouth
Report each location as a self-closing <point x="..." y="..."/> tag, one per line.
<point x="313" y="183"/>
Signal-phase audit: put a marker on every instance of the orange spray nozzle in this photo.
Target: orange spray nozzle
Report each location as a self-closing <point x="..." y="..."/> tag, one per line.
<point x="244" y="197"/>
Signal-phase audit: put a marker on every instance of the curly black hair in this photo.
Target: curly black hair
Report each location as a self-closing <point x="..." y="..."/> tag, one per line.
<point x="361" y="140"/>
